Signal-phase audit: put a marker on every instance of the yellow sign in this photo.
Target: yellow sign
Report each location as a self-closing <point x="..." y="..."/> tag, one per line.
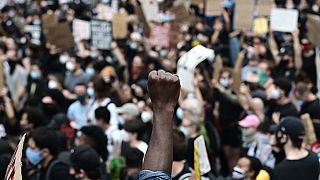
<point x="260" y="25"/>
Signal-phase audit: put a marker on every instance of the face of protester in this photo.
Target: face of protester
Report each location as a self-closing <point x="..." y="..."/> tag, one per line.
<point x="24" y="123"/>
<point x="244" y="164"/>
<point x="225" y="79"/>
<point x="35" y="72"/>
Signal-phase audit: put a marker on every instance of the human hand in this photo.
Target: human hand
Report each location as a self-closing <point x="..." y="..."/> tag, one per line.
<point x="164" y="89"/>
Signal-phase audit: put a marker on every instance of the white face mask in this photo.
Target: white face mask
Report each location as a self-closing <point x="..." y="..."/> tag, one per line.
<point x="224" y="82"/>
<point x="52" y="84"/>
<point x="146" y="116"/>
<point x="125" y="136"/>
<point x="63" y="59"/>
<point x="237" y="173"/>
<point x="90" y="92"/>
<point x="70" y="66"/>
<point x="275" y="94"/>
<point x="184" y="130"/>
<point x="315" y="8"/>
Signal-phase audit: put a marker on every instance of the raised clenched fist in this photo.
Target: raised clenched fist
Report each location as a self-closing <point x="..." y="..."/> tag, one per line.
<point x="164" y="89"/>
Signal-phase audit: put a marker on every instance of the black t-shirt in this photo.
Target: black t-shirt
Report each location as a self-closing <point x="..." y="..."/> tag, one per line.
<point x="229" y="111"/>
<point x="58" y="171"/>
<point x="305" y="168"/>
<point x="313" y="109"/>
<point x="286" y="110"/>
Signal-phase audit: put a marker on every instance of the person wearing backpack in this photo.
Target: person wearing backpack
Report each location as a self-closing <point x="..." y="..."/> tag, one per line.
<point x="41" y="153"/>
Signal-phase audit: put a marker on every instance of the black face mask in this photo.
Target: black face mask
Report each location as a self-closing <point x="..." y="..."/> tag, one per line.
<point x="280" y="144"/>
<point x="82" y="98"/>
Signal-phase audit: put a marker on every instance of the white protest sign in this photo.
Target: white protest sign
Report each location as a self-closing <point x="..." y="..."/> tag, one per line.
<point x="81" y="30"/>
<point x="35" y="31"/>
<point x="150" y="9"/>
<point x="101" y="36"/>
<point x="14" y="168"/>
<point x="3" y="3"/>
<point x="284" y="20"/>
<point x="200" y="147"/>
<point x="188" y="62"/>
<point x="64" y="1"/>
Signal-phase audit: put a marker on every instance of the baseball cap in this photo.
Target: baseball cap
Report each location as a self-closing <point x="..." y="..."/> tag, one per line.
<point x="250" y="121"/>
<point x="81" y="157"/>
<point x="129" y="108"/>
<point x="291" y="126"/>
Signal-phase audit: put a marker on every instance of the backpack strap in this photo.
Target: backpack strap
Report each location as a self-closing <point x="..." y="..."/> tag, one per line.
<point x="50" y="168"/>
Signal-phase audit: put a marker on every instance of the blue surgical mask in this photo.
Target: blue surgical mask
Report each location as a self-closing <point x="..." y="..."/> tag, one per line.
<point x="179" y="113"/>
<point x="133" y="45"/>
<point x="166" y="18"/>
<point x="163" y="53"/>
<point x="238" y="173"/>
<point x="33" y="156"/>
<point x="90" y="71"/>
<point x="35" y="74"/>
<point x="94" y="55"/>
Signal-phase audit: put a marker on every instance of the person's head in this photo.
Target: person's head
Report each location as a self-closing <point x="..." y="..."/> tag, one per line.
<point x="135" y="129"/>
<point x="42" y="145"/>
<point x="282" y="88"/>
<point x="249" y="127"/>
<point x="84" y="162"/>
<point x="101" y="87"/>
<point x="81" y="91"/>
<point x="95" y="137"/>
<point x="128" y="111"/>
<point x="247" y="168"/>
<point x="191" y="107"/>
<point x="32" y="118"/>
<point x="226" y="78"/>
<point x="289" y="133"/>
<point x="73" y="64"/>
<point x="35" y="72"/>
<point x="302" y="91"/>
<point x="179" y="145"/>
<point x="102" y="115"/>
<point x="190" y="126"/>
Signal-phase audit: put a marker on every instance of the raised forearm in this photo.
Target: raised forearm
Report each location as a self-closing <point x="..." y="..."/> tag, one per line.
<point x="159" y="154"/>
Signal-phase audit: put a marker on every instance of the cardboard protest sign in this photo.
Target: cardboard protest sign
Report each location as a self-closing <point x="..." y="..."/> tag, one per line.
<point x="48" y="20"/>
<point x="119" y="25"/>
<point x="187" y="64"/>
<point x="313" y="25"/>
<point x="60" y="35"/>
<point x="150" y="9"/>
<point x="264" y="7"/>
<point x="160" y="35"/>
<point x="101" y="35"/>
<point x="81" y="30"/>
<point x="213" y="7"/>
<point x="244" y="9"/>
<point x="14" y="168"/>
<point x="138" y="10"/>
<point x="181" y="14"/>
<point x="197" y="2"/>
<point x="202" y="164"/>
<point x="244" y="14"/>
<point x="284" y="20"/>
<point x="260" y="25"/>
<point x="35" y="31"/>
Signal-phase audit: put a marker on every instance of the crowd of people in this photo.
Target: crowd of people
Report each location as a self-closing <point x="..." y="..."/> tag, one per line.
<point x="87" y="112"/>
